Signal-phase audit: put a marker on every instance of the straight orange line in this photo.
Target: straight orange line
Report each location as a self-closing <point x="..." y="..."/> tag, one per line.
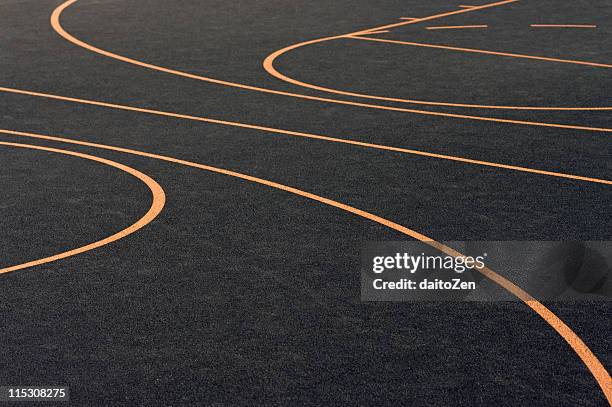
<point x="481" y="51"/>
<point x="455" y="27"/>
<point x="308" y="136"/>
<point x="590" y="360"/>
<point x="157" y="204"/>
<point x="563" y="25"/>
<point x="378" y="32"/>
<point x="432" y="17"/>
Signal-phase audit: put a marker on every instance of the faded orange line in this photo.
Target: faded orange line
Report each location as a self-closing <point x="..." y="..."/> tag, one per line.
<point x="55" y="22"/>
<point x="157" y="204"/>
<point x="455" y="27"/>
<point x="563" y="25"/>
<point x="585" y="354"/>
<point x="310" y="136"/>
<point x="482" y="51"/>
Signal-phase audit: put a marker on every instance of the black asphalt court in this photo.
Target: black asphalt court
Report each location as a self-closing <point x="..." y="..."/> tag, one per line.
<point x="187" y="188"/>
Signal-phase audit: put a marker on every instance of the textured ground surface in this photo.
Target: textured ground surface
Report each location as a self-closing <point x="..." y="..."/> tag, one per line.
<point x="240" y="294"/>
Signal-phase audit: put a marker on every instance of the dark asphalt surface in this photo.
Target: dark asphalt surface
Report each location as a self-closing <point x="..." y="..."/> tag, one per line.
<point x="238" y="294"/>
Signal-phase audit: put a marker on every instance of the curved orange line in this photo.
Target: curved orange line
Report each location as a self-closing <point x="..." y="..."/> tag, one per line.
<point x="158" y="201"/>
<point x="56" y="24"/>
<point x="268" y="65"/>
<point x="313" y="136"/>
<point x="591" y="361"/>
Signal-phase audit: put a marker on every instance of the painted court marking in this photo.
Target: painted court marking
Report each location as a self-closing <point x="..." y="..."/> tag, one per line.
<point x="310" y="136"/>
<point x="481" y="51"/>
<point x="157" y="204"/>
<point x="563" y="25"/>
<point x="455" y="27"/>
<point x="56" y="24"/>
<point x="582" y="350"/>
<point x="378" y="32"/>
<point x="268" y="65"/>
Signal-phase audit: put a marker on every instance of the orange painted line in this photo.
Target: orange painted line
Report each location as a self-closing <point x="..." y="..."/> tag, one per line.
<point x="466" y="6"/>
<point x="311" y="136"/>
<point x="268" y="65"/>
<point x="482" y="51"/>
<point x="590" y="360"/>
<point x="455" y="27"/>
<point x="433" y="17"/>
<point x="563" y="25"/>
<point x="571" y="338"/>
<point x="157" y="204"/>
<point x="55" y="22"/>
<point x="407" y="18"/>
<point x="378" y="32"/>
